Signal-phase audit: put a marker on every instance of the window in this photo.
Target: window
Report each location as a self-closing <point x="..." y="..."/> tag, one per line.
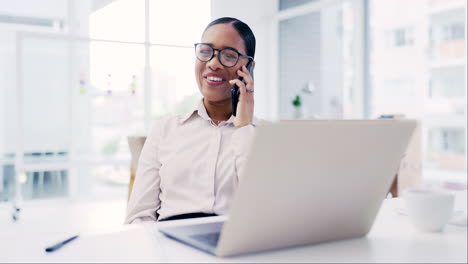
<point x="402" y="37"/>
<point x="447" y="83"/>
<point x="399" y="37"/>
<point x="178" y="22"/>
<point x="122" y="20"/>
<point x="172" y="94"/>
<point x="453" y="31"/>
<point x="446" y="140"/>
<point x="427" y="81"/>
<point x="96" y="80"/>
<point x="447" y="34"/>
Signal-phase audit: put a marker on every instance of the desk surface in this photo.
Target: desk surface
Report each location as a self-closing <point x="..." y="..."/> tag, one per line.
<point x="391" y="239"/>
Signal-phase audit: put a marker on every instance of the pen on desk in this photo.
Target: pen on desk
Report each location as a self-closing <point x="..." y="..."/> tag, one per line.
<point x="60" y="244"/>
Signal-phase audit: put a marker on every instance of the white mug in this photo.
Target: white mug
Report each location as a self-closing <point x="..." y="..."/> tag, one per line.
<point x="429" y="209"/>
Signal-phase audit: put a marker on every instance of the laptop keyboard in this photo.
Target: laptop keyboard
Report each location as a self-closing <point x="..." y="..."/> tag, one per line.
<point x="209" y="238"/>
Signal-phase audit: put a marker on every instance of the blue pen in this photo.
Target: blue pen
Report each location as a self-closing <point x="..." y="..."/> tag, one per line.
<point x="60" y="244"/>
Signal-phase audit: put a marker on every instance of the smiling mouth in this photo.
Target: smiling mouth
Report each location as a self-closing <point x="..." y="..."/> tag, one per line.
<point x="213" y="80"/>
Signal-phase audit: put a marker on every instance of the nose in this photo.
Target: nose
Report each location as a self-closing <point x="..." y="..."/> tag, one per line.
<point x="214" y="64"/>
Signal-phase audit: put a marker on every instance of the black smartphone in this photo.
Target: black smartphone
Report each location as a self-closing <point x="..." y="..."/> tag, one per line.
<point x="235" y="92"/>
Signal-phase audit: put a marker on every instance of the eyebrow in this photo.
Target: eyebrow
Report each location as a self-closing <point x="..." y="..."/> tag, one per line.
<point x="223" y="47"/>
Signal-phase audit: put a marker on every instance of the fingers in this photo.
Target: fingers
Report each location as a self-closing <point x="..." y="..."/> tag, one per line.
<point x="245" y="107"/>
<point x="240" y="84"/>
<point x="244" y="73"/>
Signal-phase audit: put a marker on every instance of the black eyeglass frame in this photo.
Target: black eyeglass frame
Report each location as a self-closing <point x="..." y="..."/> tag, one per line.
<point x="219" y="54"/>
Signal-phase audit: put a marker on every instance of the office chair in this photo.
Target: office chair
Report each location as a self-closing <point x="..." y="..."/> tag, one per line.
<point x="135" y="144"/>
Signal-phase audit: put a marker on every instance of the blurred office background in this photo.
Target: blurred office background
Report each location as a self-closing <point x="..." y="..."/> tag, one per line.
<point x="77" y="77"/>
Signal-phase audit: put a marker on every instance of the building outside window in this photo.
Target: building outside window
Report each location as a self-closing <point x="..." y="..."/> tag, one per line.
<point x="401" y="37"/>
<point x="426" y="80"/>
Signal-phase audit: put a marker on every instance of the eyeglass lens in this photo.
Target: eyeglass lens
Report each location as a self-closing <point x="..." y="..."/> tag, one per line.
<point x="227" y="57"/>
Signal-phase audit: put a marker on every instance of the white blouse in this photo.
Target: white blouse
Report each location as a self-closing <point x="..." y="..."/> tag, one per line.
<point x="187" y="165"/>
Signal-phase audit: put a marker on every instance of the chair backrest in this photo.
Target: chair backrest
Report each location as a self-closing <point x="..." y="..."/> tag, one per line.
<point x="135" y="144"/>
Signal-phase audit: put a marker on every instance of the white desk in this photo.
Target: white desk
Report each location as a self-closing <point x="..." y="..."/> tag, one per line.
<point x="392" y="239"/>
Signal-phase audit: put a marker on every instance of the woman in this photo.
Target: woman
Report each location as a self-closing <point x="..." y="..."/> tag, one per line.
<point x="190" y="165"/>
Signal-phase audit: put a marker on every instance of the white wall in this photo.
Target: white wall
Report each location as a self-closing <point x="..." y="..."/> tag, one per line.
<point x="331" y="64"/>
<point x="7" y="91"/>
<point x="46" y="85"/>
<point x="6" y="81"/>
<point x="56" y="9"/>
<point x="49" y="9"/>
<point x="258" y="15"/>
<point x="299" y="65"/>
<point x="5" y="77"/>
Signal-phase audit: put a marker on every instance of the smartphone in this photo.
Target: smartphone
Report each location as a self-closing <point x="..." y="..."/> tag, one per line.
<point x="235" y="92"/>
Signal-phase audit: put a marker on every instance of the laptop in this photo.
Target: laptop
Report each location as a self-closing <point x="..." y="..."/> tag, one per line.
<point x="306" y="182"/>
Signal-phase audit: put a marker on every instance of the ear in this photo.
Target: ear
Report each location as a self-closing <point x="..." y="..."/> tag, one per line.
<point x="253" y="65"/>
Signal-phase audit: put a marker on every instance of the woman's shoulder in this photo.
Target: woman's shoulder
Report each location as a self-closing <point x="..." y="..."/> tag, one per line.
<point x="165" y="123"/>
<point x="168" y="124"/>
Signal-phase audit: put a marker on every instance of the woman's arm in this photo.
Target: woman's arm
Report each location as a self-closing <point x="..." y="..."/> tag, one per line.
<point x="243" y="136"/>
<point x="144" y="200"/>
<point x="242" y="139"/>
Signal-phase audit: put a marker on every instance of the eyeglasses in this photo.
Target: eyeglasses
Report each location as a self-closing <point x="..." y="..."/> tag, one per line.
<point x="228" y="57"/>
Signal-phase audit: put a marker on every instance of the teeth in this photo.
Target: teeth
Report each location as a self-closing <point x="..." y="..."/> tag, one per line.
<point x="215" y="79"/>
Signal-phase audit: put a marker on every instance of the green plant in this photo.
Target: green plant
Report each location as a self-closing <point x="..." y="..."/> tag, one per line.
<point x="110" y="147"/>
<point x="297" y="101"/>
